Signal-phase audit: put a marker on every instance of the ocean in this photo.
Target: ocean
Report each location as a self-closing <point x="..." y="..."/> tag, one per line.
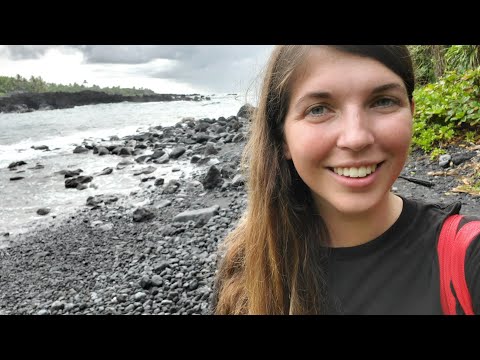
<point x="62" y="130"/>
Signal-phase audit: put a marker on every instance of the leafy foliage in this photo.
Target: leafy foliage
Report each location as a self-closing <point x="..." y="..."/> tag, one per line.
<point x="431" y="61"/>
<point x="446" y="107"/>
<point x="462" y="57"/>
<point x="471" y="137"/>
<point x="436" y="153"/>
<point x="19" y="84"/>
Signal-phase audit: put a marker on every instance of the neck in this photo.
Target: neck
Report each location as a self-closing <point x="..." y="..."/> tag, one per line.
<point x="348" y="230"/>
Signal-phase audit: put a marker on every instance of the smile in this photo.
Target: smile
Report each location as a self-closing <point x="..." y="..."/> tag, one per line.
<point x="356" y="172"/>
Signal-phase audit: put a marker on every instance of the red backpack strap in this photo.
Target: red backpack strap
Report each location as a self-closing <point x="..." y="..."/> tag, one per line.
<point x="465" y="236"/>
<point x="452" y="249"/>
<point x="445" y="245"/>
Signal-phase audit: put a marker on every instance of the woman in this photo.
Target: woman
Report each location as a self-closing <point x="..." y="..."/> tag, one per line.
<point x="322" y="233"/>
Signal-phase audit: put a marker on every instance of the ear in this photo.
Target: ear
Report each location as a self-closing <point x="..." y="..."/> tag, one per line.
<point x="286" y="151"/>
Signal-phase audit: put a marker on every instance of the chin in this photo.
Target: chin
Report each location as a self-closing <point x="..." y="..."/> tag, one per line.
<point x="352" y="209"/>
<point x="351" y="204"/>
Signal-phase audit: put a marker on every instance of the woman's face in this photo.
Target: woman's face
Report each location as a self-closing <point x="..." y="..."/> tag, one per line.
<point x="347" y="130"/>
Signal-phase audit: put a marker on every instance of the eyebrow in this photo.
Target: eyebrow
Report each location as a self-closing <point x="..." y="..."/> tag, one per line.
<point x="327" y="95"/>
<point x="386" y="87"/>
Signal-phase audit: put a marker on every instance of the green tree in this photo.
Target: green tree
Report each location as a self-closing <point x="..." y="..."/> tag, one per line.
<point x="462" y="57"/>
<point x="9" y="85"/>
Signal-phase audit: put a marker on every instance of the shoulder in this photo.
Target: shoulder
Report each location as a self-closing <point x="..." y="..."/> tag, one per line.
<point x="428" y="217"/>
<point x="441" y="209"/>
<point x="430" y="207"/>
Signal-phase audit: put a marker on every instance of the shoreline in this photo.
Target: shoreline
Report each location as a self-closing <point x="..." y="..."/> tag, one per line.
<point x="28" y="102"/>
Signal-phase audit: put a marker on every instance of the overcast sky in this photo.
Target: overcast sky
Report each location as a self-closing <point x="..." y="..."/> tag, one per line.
<point x="180" y="69"/>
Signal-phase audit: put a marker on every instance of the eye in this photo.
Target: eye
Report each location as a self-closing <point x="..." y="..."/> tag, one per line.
<point x="318" y="110"/>
<point x="385" y="102"/>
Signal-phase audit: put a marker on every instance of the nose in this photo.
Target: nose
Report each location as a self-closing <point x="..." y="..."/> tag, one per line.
<point x="356" y="133"/>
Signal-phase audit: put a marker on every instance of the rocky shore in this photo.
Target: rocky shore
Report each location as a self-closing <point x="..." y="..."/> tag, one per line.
<point x="28" y="102"/>
<point x="155" y="251"/>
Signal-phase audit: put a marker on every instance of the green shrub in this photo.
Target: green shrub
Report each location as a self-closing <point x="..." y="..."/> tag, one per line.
<point x="471" y="137"/>
<point x="444" y="108"/>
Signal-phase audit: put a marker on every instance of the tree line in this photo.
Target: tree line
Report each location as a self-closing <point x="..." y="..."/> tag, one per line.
<point x="19" y="84"/>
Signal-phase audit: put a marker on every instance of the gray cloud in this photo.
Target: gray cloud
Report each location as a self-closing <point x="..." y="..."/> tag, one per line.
<point x="220" y="67"/>
<point x="24" y="52"/>
<point x="125" y="54"/>
<point x="217" y="68"/>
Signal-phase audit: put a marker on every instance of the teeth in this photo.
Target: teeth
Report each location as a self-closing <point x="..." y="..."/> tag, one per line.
<point x="356" y="172"/>
<point x="353" y="172"/>
<point x="362" y="172"/>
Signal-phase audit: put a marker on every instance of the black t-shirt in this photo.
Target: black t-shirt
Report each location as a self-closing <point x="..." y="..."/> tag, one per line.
<point x="398" y="272"/>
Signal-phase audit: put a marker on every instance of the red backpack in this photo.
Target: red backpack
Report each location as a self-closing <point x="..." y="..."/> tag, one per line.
<point x="452" y="248"/>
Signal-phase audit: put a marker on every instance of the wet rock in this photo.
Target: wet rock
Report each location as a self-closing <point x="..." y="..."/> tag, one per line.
<point x="106" y="171"/>
<point x="458" y="159"/>
<point x="43" y="211"/>
<point x="171" y="187"/>
<point x="41" y="147"/>
<point x="123" y="164"/>
<point x="16" y="164"/>
<point x="213" y="178"/>
<point x="195" y="159"/>
<point x="202" y="138"/>
<point x="102" y="151"/>
<point x="71" y="173"/>
<point x="142" y="159"/>
<point x="246" y="111"/>
<point x="162" y="160"/>
<point x="159" y="182"/>
<point x="147" y="170"/>
<point x="126" y="151"/>
<point x="444" y="161"/>
<point x="238" y="180"/>
<point x="80" y="150"/>
<point x="157" y="154"/>
<point x="142" y="214"/>
<point x="75" y="182"/>
<point x="227" y="171"/>
<point x="210" y="149"/>
<point x="196" y="215"/>
<point x="177" y="152"/>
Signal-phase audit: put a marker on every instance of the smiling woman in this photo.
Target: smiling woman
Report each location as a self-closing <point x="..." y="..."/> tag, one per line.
<point x="322" y="233"/>
<point x="362" y="113"/>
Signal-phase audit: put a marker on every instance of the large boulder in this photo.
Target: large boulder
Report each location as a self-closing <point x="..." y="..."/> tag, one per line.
<point x="213" y="178"/>
<point x="246" y="111"/>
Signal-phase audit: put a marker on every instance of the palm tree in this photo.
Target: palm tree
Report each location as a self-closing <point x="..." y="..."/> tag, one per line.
<point x="462" y="57"/>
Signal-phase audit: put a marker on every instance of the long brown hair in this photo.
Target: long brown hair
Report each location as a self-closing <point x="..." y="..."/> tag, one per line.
<point x="274" y="262"/>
